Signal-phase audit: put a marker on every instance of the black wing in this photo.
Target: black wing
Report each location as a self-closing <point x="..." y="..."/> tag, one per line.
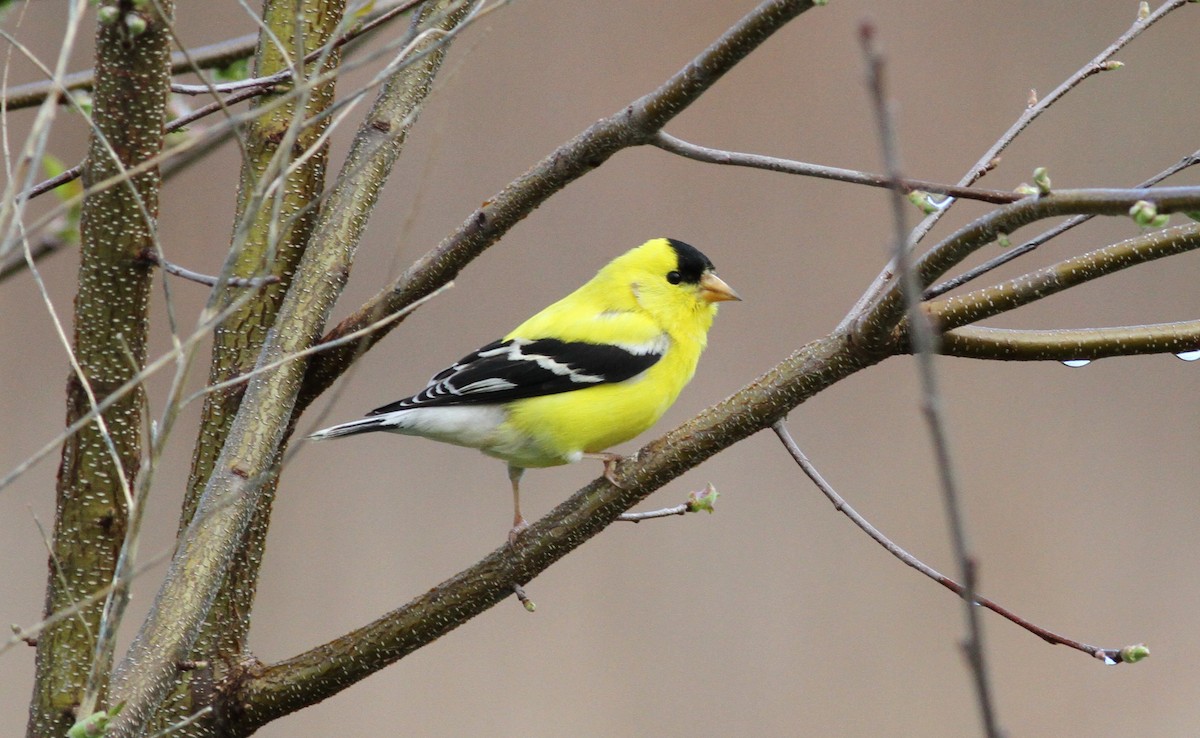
<point x="503" y="371"/>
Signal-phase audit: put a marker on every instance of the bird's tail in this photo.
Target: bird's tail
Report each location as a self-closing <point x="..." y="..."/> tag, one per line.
<point x="366" y="425"/>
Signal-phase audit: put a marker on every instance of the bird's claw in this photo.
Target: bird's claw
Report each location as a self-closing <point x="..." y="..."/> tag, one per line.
<point x="610" y="468"/>
<point x="519" y="526"/>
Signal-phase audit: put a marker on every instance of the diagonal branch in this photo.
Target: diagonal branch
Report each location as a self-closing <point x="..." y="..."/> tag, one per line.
<point x="265" y="692"/>
<point x="991" y="158"/>
<point x="1116" y="655"/>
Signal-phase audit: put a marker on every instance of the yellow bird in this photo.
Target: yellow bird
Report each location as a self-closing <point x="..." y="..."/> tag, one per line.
<point x="592" y="370"/>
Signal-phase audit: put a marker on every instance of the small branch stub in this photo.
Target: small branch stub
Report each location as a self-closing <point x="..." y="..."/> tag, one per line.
<point x="698" y="500"/>
<point x="528" y="604"/>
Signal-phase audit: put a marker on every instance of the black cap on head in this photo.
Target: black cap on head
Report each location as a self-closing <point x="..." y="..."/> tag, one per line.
<point x="692" y="263"/>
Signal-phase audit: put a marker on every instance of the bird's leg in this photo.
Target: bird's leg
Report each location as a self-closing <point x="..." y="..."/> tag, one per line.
<point x="610" y="466"/>
<point x="519" y="524"/>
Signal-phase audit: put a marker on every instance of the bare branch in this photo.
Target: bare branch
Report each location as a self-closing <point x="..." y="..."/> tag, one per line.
<point x="241" y="92"/>
<point x="700" y="500"/>
<point x="990" y="159"/>
<point x="959" y="310"/>
<point x="924" y="341"/>
<point x="264" y="693"/>
<point x="1098" y="64"/>
<point x="1080" y="344"/>
<point x="213" y="56"/>
<point x="1190" y="160"/>
<point x="179" y="271"/>
<point x="216" y="55"/>
<point x="1115" y="655"/>
<point x="670" y="143"/>
<point x="666" y="512"/>
<point x="234" y="491"/>
<point x="874" y="325"/>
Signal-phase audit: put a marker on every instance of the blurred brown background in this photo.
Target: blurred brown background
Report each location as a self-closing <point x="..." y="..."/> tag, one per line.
<point x="775" y="616"/>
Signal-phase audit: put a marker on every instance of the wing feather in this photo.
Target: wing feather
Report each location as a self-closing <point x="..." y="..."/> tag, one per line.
<point x="503" y="371"/>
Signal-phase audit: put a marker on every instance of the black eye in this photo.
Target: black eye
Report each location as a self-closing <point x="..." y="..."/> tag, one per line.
<point x="674" y="277"/>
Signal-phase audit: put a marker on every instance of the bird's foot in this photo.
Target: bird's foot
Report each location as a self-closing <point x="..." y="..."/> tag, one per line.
<point x="519" y="526"/>
<point x="610" y="467"/>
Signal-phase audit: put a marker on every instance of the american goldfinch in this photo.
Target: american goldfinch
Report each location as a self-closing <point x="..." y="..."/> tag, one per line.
<point x="592" y="370"/>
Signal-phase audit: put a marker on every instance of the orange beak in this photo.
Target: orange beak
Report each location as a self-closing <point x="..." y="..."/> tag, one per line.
<point x="714" y="289"/>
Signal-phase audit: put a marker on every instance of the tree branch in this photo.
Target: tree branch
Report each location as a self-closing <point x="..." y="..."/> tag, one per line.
<point x="960" y="310"/>
<point x="263" y="693"/>
<point x="991" y="158"/>
<point x="1117" y="655"/>
<point x="109" y="348"/>
<point x="678" y="146"/>
<point x="213" y="56"/>
<point x="873" y="323"/>
<point x="235" y="489"/>
<point x="924" y="340"/>
<point x="1002" y="344"/>
<point x="1190" y="160"/>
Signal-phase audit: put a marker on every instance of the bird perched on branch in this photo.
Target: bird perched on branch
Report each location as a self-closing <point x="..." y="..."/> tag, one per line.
<point x="592" y="370"/>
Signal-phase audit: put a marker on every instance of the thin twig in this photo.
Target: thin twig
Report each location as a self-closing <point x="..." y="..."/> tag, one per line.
<point x="212" y="56"/>
<point x="523" y="598"/>
<point x="43" y="247"/>
<point x="1188" y="161"/>
<point x="194" y="717"/>
<point x="666" y="512"/>
<point x="840" y="504"/>
<point x="990" y="159"/>
<point x="678" y="146"/>
<point x="1098" y="64"/>
<point x="378" y="325"/>
<point x="697" y="501"/>
<point x="258" y="84"/>
<point x="171" y="267"/>
<point x="925" y="345"/>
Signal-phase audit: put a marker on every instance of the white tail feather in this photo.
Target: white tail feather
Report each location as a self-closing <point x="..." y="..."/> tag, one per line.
<point x="366" y="425"/>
